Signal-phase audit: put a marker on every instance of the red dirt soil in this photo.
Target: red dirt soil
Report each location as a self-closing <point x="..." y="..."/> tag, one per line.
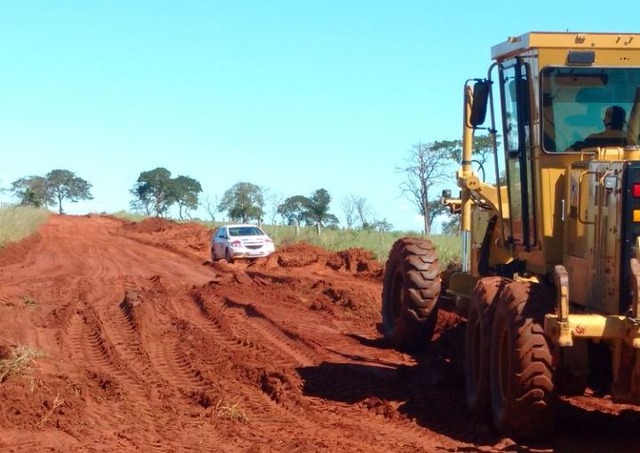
<point x="139" y="343"/>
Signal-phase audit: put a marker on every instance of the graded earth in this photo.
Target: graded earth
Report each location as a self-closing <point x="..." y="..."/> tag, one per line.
<point x="117" y="336"/>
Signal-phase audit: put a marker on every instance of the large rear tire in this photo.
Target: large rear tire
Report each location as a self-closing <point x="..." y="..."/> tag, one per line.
<point x="478" y="344"/>
<point x="523" y="397"/>
<point x="409" y="294"/>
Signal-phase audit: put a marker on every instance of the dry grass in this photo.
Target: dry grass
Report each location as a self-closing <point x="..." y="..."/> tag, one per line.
<point x="21" y="357"/>
<point x="29" y="302"/>
<point x="18" y="222"/>
<point x="223" y="410"/>
<point x="57" y="402"/>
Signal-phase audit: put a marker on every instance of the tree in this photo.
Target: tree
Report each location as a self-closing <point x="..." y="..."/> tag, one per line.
<point x="274" y="199"/>
<point x="32" y="191"/>
<point x="436" y="208"/>
<point x="482" y="150"/>
<point x="425" y="168"/>
<point x="365" y="214"/>
<point x="313" y="210"/>
<point x="451" y="226"/>
<point x="211" y="206"/>
<point x="318" y="210"/>
<point x="185" y="192"/>
<point x="294" y="209"/>
<point x="243" y="201"/>
<point x="348" y="205"/>
<point x="65" y="185"/>
<point x="381" y="225"/>
<point x="154" y="192"/>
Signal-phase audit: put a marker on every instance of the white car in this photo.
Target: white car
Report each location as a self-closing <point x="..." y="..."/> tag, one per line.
<point x="240" y="241"/>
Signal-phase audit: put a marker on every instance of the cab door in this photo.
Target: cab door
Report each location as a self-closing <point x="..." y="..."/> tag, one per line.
<point x="515" y="98"/>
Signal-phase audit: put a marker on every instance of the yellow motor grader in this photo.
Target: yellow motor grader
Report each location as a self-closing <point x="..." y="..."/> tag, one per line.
<point x="550" y="279"/>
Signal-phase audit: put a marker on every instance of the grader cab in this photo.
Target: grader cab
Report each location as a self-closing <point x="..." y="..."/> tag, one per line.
<point x="550" y="276"/>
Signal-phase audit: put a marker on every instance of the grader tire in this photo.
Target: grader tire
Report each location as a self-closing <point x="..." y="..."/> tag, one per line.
<point x="410" y="292"/>
<point x="523" y="397"/>
<point x="478" y="344"/>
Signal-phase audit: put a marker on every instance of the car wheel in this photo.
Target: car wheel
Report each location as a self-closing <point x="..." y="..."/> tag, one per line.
<point x="228" y="256"/>
<point x="214" y="258"/>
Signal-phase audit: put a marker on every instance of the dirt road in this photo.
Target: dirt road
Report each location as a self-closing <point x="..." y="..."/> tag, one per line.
<point x="139" y="343"/>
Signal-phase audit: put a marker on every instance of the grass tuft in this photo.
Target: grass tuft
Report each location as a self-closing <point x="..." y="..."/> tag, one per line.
<point x="29" y="302"/>
<point x="232" y="412"/>
<point x="20" y="358"/>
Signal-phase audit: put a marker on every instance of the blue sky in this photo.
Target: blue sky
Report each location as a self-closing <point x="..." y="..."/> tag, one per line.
<point x="290" y="95"/>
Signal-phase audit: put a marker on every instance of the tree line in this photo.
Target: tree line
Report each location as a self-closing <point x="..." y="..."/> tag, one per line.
<point x="156" y="192"/>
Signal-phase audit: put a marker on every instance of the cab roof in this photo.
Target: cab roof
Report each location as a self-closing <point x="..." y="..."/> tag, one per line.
<point x="515" y="45"/>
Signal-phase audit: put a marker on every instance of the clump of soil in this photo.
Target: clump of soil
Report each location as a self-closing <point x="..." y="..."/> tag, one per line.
<point x="149" y="225"/>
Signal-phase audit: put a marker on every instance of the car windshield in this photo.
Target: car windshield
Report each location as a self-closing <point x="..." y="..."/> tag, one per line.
<point x="245" y="231"/>
<point x="575" y="102"/>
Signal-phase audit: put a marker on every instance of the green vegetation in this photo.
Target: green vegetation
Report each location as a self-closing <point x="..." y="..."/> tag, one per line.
<point x="378" y="242"/>
<point x="243" y="202"/>
<point x="51" y="190"/>
<point x="313" y="210"/>
<point x="18" y="222"/>
<point x="156" y="191"/>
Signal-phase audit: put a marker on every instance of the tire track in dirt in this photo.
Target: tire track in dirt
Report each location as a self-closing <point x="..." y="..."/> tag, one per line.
<point x="317" y="411"/>
<point x="166" y="319"/>
<point x="163" y="366"/>
<point x="282" y="340"/>
<point x="168" y="360"/>
<point x="232" y="340"/>
<point x="104" y="346"/>
<point x="107" y="350"/>
<point x="269" y="396"/>
<point x="87" y="347"/>
<point x="216" y="317"/>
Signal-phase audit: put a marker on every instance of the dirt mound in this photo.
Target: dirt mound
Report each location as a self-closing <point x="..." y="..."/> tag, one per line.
<point x="191" y="239"/>
<point x="15" y="252"/>
<point x="150" y="225"/>
<point x="355" y="261"/>
<point x="358" y="261"/>
<point x="300" y="255"/>
<point x="124" y="337"/>
<point x="194" y="239"/>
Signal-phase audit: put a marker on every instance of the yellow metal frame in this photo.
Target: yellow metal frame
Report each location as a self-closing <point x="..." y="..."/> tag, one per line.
<point x="563" y="327"/>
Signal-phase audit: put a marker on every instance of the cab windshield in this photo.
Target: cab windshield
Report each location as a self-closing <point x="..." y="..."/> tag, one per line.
<point x="579" y="104"/>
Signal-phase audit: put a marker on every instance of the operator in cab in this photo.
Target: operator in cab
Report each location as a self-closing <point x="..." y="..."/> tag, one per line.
<point x="612" y="135"/>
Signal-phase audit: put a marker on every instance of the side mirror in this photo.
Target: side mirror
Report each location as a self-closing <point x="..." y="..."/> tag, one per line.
<point x="479" y="103"/>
